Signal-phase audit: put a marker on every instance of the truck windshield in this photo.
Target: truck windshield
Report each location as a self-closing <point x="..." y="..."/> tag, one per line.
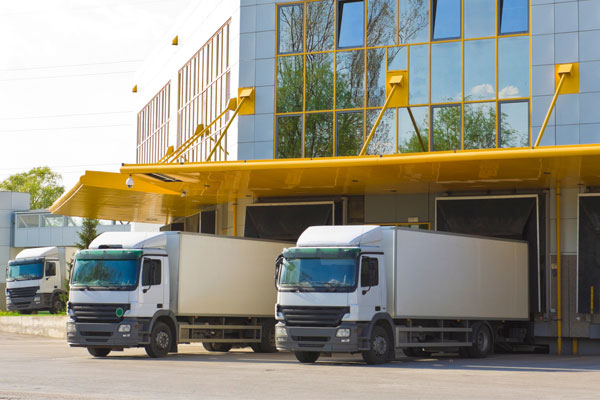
<point x="316" y="270"/>
<point x="105" y="273"/>
<point x="25" y="271"/>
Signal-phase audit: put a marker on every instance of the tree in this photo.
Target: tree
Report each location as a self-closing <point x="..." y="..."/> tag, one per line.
<point x="87" y="234"/>
<point x="41" y="183"/>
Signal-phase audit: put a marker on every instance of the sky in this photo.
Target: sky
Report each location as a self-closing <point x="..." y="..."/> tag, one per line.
<point x="66" y="73"/>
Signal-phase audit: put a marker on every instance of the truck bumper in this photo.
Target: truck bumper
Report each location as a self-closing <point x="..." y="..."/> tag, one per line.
<point x="38" y="302"/>
<point x="297" y="338"/>
<point x="83" y="334"/>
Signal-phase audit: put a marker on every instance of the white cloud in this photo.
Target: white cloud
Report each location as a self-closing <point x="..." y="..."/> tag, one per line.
<point x="509" y="91"/>
<point x="483" y="91"/>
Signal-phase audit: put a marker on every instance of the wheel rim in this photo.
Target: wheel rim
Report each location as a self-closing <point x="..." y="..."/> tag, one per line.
<point x="482" y="340"/>
<point x="380" y="345"/>
<point x="162" y="339"/>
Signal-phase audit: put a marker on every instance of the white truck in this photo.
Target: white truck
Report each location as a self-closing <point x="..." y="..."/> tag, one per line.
<point x="35" y="280"/>
<point x="158" y="290"/>
<point x="375" y="290"/>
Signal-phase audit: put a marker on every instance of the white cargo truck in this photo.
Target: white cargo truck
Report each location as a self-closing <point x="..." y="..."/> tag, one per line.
<point x="375" y="290"/>
<point x="35" y="280"/>
<point x="157" y="290"/>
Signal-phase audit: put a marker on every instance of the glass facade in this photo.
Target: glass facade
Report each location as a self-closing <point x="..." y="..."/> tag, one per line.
<point x="468" y="66"/>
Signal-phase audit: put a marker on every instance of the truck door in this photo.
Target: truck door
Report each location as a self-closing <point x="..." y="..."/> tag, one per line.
<point x="369" y="288"/>
<point x="152" y="286"/>
<point x="50" y="281"/>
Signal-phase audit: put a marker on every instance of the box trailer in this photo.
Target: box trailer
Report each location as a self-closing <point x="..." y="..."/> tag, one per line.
<point x="35" y="280"/>
<point x="376" y="290"/>
<point x="155" y="290"/>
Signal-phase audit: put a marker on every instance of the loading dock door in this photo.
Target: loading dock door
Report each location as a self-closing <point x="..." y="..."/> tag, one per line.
<point x="503" y="217"/>
<point x="588" y="259"/>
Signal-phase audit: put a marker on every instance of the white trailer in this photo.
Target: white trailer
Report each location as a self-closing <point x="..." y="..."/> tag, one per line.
<point x="36" y="279"/>
<point x="375" y="290"/>
<point x="155" y="290"/>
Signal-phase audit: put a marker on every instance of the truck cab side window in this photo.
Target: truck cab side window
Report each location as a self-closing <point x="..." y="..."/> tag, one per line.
<point x="50" y="269"/>
<point x="369" y="273"/>
<point x="151" y="273"/>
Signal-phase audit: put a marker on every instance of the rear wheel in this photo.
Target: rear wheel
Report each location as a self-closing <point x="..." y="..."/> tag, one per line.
<point x="99" y="351"/>
<point x="483" y="342"/>
<point x="56" y="305"/>
<point x="379" y="344"/>
<point x="160" y="341"/>
<point x="267" y="343"/>
<point x="307" y="357"/>
<point x="222" y="347"/>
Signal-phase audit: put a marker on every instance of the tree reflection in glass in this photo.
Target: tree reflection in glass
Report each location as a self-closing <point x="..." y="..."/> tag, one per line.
<point x="376" y="77"/>
<point x="350" y="79"/>
<point x="414" y="21"/>
<point x="290" y="85"/>
<point x="349" y="127"/>
<point x="408" y="141"/>
<point x="384" y="139"/>
<point x="319" y="135"/>
<point x="291" y="29"/>
<point x="381" y="23"/>
<point x="514" y="124"/>
<point x="480" y="125"/>
<point x="289" y="136"/>
<point x="319" y="81"/>
<point x="319" y="25"/>
<point x="446" y="122"/>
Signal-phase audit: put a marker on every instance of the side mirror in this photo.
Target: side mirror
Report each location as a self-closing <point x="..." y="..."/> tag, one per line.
<point x="278" y="264"/>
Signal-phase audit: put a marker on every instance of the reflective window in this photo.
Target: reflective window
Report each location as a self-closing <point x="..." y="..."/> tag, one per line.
<point x="414" y="21"/>
<point x="349" y="127"/>
<point x="480" y="69"/>
<point x="480" y="125"/>
<point x="418" y="75"/>
<point x="446" y="72"/>
<point x="319" y="25"/>
<point x="445" y="122"/>
<point x="381" y="22"/>
<point x="376" y="73"/>
<point x="319" y="135"/>
<point x="480" y="18"/>
<point x="28" y="221"/>
<point x="74" y="221"/>
<point x="445" y="19"/>
<point x="384" y="139"/>
<point x="397" y="58"/>
<point x="351" y="23"/>
<point x="408" y="140"/>
<point x="52" y="221"/>
<point x="290" y="84"/>
<point x="289" y="136"/>
<point x="350" y="79"/>
<point x="514" y="124"/>
<point x="514" y="16"/>
<point x="291" y="29"/>
<point x="319" y="81"/>
<point x="513" y="67"/>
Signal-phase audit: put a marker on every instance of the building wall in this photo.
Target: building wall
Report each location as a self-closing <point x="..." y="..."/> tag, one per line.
<point x="9" y="202"/>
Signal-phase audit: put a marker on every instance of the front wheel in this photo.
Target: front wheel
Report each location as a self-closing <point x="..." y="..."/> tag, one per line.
<point x="99" y="351"/>
<point x="160" y="341"/>
<point x="379" y="347"/>
<point x="307" y="357"/>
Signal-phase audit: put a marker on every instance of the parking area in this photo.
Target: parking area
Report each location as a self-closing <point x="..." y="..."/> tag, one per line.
<point x="41" y="368"/>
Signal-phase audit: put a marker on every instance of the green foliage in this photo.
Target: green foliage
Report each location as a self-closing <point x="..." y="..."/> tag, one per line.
<point x="9" y="314"/>
<point x="87" y="234"/>
<point x="41" y="183"/>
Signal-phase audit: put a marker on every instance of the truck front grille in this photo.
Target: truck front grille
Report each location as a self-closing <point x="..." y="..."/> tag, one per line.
<point x="312" y="316"/>
<point x="98" y="313"/>
<point x="22" y="292"/>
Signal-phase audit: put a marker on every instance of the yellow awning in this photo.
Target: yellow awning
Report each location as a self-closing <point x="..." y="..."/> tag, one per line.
<point x="163" y="191"/>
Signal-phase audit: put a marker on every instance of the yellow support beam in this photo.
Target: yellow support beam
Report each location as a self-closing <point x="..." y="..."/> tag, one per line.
<point x="414" y="122"/>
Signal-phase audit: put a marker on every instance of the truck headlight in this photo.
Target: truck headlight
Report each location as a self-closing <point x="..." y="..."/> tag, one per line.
<point x="71" y="328"/>
<point x="37" y="299"/>
<point x="124" y="328"/>
<point x="280" y="331"/>
<point x="343" y="332"/>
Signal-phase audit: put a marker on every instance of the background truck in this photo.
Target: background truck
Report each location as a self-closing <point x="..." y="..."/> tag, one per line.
<point x="155" y="290"/>
<point x="376" y="290"/>
<point x="35" y="280"/>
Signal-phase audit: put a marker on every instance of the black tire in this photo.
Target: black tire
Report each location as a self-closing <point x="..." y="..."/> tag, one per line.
<point x="222" y="347"/>
<point x="267" y="343"/>
<point x="25" y="312"/>
<point x="379" y="346"/>
<point x="98" y="351"/>
<point x="161" y="340"/>
<point x="483" y="341"/>
<point x="416" y="352"/>
<point x="307" y="357"/>
<point x="56" y="305"/>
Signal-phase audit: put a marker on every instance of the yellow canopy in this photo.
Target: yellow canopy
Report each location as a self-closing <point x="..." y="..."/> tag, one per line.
<point x="163" y="191"/>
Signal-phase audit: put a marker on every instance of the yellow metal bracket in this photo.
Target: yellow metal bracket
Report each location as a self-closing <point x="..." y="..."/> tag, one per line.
<point x="567" y="75"/>
<point x="395" y="82"/>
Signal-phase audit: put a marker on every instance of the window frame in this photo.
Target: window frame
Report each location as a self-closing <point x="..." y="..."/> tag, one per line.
<point x="499" y="122"/>
<point x="338" y="25"/>
<point x="500" y="6"/>
<point x="291" y="5"/>
<point x="433" y="12"/>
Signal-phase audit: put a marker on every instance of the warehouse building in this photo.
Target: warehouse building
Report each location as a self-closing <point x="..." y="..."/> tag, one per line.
<point x="259" y="118"/>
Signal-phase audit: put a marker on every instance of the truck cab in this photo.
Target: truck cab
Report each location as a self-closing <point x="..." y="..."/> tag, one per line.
<point x="35" y="280"/>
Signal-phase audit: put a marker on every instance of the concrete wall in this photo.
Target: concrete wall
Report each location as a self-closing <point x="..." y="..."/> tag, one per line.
<point x="51" y="326"/>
